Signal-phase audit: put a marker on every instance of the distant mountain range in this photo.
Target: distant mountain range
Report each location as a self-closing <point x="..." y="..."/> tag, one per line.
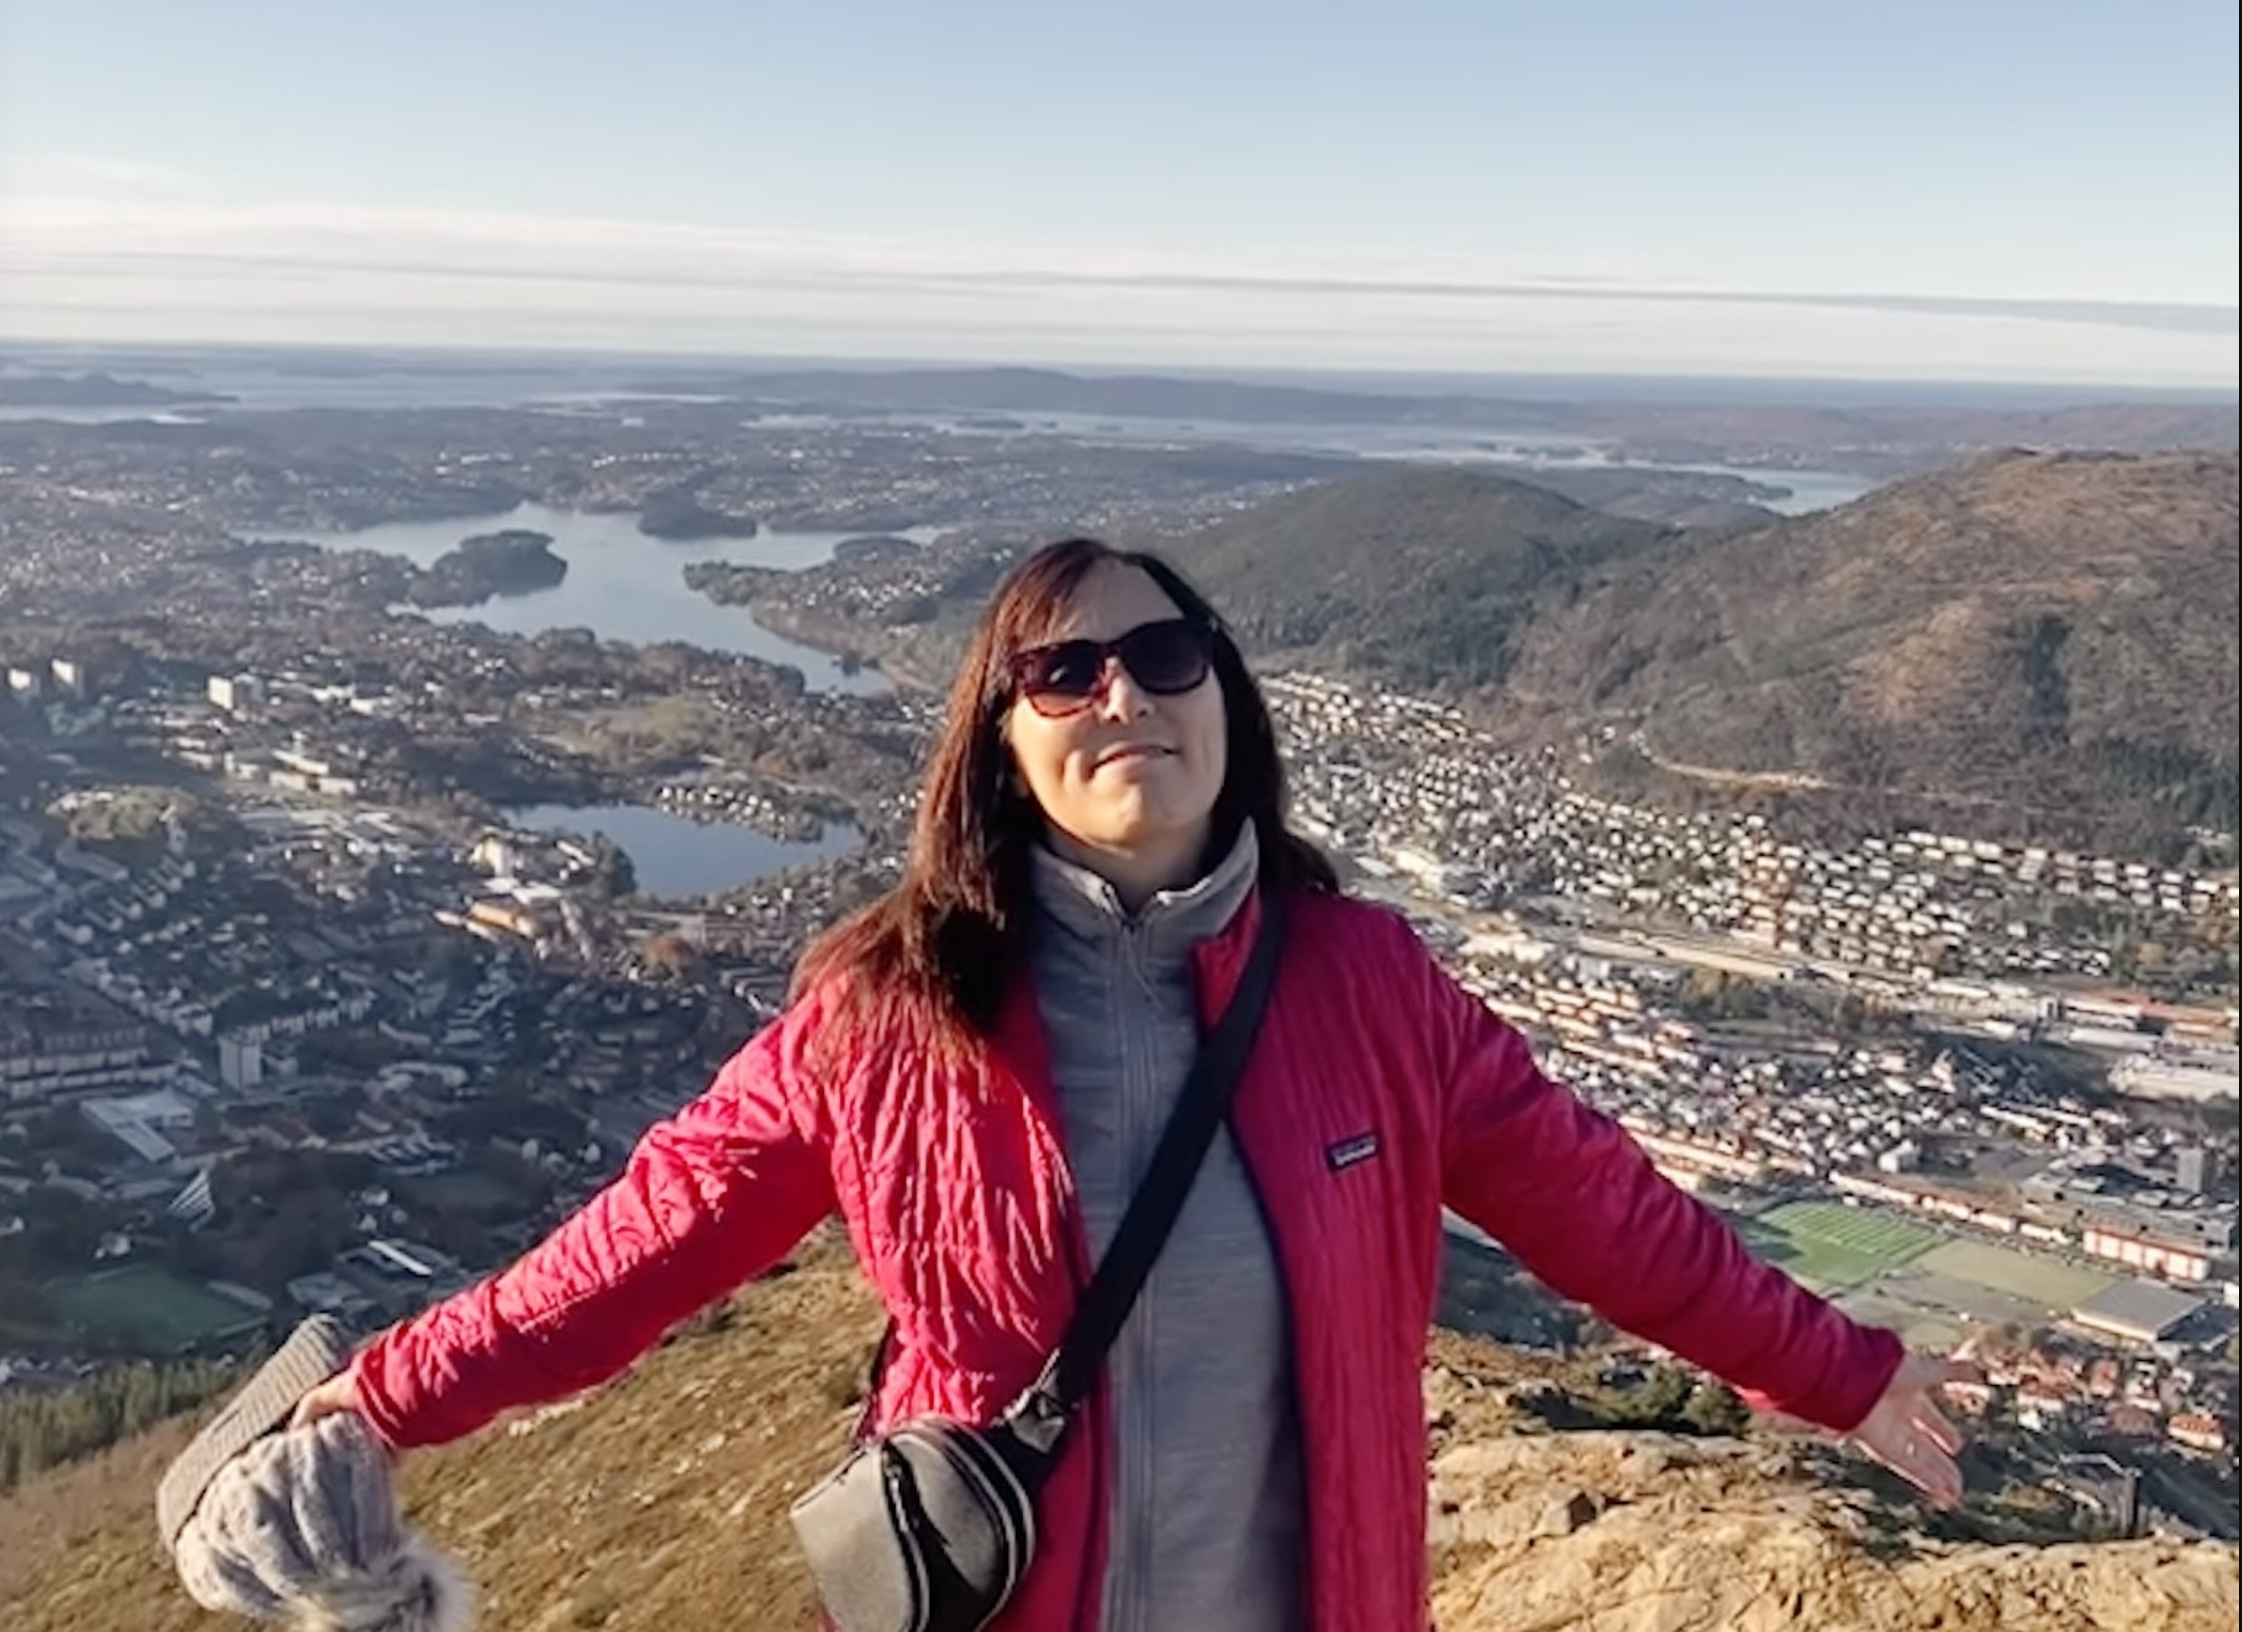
<point x="2041" y="644"/>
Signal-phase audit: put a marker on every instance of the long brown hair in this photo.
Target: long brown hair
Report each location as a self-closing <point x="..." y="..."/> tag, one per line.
<point x="930" y="962"/>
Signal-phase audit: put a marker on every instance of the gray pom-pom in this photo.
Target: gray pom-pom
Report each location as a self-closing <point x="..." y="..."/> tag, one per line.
<point x="423" y="1591"/>
<point x="302" y="1528"/>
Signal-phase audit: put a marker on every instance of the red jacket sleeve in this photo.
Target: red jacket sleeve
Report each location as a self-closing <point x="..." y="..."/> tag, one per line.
<point x="1565" y="1189"/>
<point x="710" y="1197"/>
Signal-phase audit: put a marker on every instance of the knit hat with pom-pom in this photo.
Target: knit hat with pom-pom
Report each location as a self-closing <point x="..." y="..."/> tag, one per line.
<point x="300" y="1525"/>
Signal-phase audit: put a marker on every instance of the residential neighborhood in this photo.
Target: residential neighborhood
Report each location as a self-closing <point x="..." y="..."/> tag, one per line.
<point x="345" y="948"/>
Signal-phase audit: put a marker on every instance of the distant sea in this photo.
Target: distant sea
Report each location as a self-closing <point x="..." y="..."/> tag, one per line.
<point x="275" y="380"/>
<point x="320" y="377"/>
<point x="1722" y="390"/>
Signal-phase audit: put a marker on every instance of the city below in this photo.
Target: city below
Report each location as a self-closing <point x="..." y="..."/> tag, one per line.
<point x="355" y="916"/>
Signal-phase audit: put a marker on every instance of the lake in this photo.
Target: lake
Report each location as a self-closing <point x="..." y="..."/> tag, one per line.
<point x="14" y="413"/>
<point x="674" y="856"/>
<point x="624" y="586"/>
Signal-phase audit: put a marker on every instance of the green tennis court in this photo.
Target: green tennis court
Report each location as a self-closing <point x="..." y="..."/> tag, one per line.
<point x="143" y="1307"/>
<point x="1831" y="1246"/>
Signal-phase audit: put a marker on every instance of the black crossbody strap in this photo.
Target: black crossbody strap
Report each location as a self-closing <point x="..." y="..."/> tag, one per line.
<point x="1041" y="1413"/>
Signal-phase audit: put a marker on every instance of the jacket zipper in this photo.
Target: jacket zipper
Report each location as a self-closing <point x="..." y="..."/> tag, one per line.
<point x="1138" y="1042"/>
<point x="1292" y="1357"/>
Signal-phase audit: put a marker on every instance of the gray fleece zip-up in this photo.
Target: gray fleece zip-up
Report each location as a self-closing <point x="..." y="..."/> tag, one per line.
<point x="1208" y="1511"/>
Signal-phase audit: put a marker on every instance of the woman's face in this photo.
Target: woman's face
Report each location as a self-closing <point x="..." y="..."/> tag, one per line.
<point x="1126" y="780"/>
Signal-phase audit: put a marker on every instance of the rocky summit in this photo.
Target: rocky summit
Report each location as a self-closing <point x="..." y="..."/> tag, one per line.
<point x="658" y="1504"/>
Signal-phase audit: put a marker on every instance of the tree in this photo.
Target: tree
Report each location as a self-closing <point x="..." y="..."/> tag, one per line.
<point x="1654" y="1401"/>
<point x="1713" y="994"/>
<point x="673" y="954"/>
<point x="47" y="1430"/>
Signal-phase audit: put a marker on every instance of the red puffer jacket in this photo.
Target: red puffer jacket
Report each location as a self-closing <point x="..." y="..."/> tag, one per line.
<point x="1379" y="1090"/>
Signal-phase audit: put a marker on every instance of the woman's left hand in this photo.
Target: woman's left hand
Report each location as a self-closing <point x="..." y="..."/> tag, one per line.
<point x="1906" y="1431"/>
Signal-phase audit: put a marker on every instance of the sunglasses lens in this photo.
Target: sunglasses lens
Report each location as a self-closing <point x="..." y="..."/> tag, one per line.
<point x="1069" y="670"/>
<point x="1166" y="657"/>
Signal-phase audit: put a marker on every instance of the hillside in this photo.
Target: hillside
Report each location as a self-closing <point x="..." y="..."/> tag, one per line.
<point x="2035" y="645"/>
<point x="1424" y="575"/>
<point x="2027" y="636"/>
<point x="659" y="1503"/>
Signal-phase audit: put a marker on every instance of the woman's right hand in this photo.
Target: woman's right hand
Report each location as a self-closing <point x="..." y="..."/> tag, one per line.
<point x="337" y="1393"/>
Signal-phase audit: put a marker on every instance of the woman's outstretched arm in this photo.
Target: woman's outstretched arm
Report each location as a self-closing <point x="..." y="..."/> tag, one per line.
<point x="1565" y="1188"/>
<point x="709" y="1198"/>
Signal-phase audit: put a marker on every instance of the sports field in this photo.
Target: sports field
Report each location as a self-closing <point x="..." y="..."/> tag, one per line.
<point x="141" y="1306"/>
<point x="1833" y="1247"/>
<point x="2056" y="1285"/>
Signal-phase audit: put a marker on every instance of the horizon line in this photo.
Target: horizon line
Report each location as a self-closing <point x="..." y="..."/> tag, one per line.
<point x="1297" y="374"/>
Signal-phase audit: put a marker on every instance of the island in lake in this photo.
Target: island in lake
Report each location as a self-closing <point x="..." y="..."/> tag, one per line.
<point x="680" y="518"/>
<point x="513" y="561"/>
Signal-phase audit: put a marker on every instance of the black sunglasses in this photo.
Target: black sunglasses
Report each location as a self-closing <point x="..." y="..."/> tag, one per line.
<point x="1166" y="658"/>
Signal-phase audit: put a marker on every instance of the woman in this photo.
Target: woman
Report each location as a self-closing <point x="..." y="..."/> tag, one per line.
<point x="973" y="1073"/>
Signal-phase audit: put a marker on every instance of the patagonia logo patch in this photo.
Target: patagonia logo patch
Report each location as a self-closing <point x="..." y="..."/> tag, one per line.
<point x="1348" y="1152"/>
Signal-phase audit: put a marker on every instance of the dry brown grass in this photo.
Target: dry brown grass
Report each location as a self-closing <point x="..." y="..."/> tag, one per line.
<point x="658" y="1505"/>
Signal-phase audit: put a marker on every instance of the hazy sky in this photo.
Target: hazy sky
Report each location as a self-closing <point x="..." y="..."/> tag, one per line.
<point x="1921" y="188"/>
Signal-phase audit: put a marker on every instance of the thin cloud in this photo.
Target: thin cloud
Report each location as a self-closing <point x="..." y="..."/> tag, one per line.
<point x="98" y="174"/>
<point x="999" y="282"/>
<point x="69" y="257"/>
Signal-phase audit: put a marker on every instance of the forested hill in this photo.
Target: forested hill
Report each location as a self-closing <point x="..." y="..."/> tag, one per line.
<point x="2025" y="636"/>
<point x="1427" y="576"/>
<point x="2028" y="641"/>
